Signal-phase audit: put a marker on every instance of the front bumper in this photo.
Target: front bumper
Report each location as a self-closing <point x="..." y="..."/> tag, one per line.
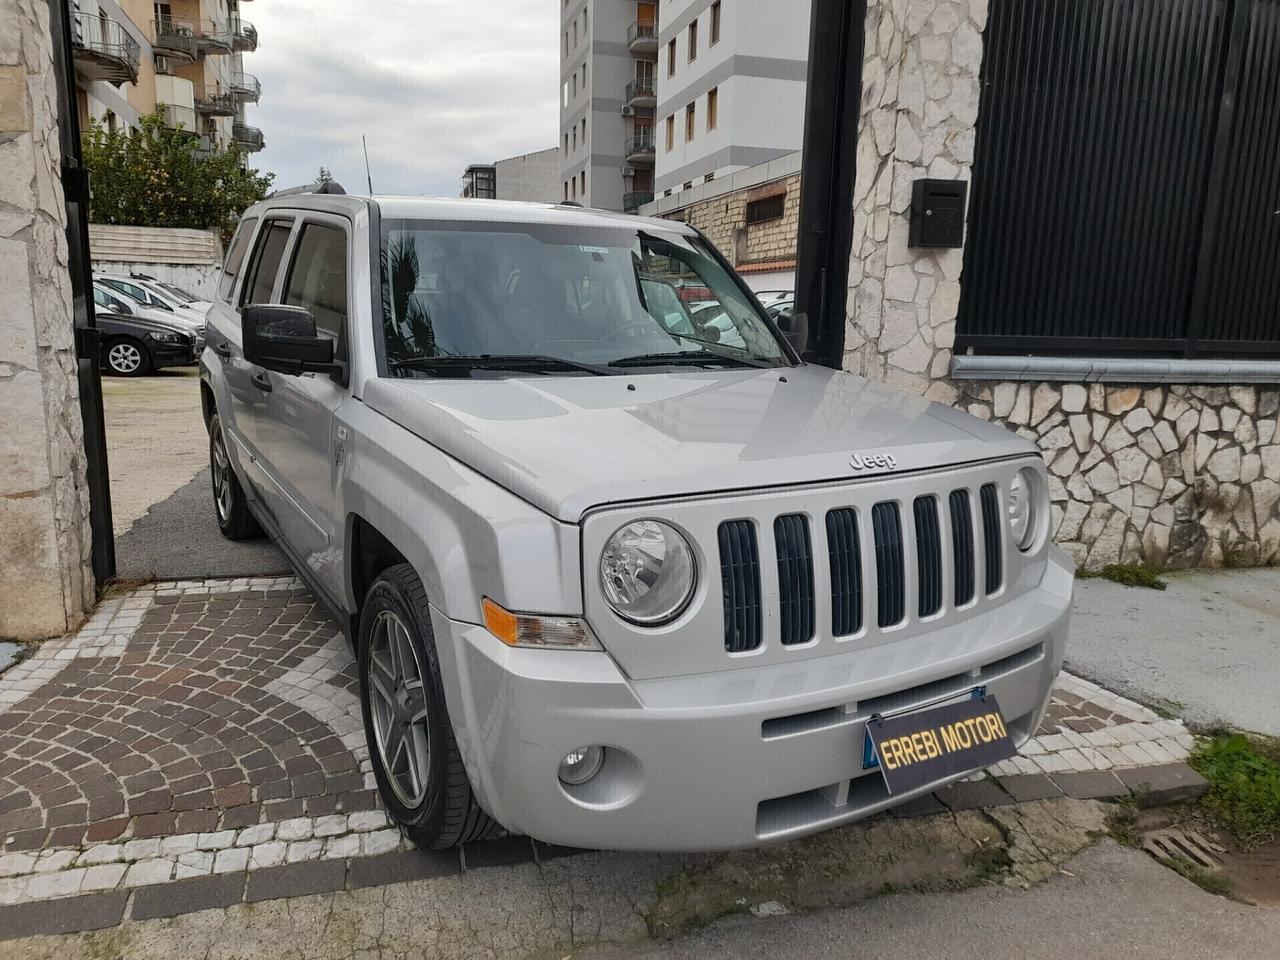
<point x="732" y="759"/>
<point x="171" y="354"/>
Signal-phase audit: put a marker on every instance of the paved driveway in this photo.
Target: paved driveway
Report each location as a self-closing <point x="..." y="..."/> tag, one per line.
<point x="1208" y="647"/>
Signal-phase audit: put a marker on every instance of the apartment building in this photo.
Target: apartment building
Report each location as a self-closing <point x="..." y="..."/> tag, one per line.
<point x="184" y="55"/>
<point x="730" y="87"/>
<point x="529" y="176"/>
<point x="608" y="58"/>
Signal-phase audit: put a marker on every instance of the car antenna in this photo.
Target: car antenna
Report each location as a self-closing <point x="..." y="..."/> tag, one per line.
<point x="368" y="175"/>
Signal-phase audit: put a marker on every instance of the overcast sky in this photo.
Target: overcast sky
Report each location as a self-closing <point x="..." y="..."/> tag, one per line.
<point x="434" y="85"/>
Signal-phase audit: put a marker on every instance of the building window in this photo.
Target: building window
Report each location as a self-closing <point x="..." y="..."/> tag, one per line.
<point x="575" y="137"/>
<point x="715" y="22"/>
<point x="690" y="119"/>
<point x="766" y="208"/>
<point x="693" y="41"/>
<point x="584" y="131"/>
<point x="573" y="189"/>
<point x="564" y="95"/>
<point x="671" y="132"/>
<point x="713" y="103"/>
<point x="566" y="144"/>
<point x="566" y="189"/>
<point x="709" y="177"/>
<point x="671" y="59"/>
<point x="583" y="191"/>
<point x="575" y="34"/>
<point x="566" y="43"/>
<point x="584" y="76"/>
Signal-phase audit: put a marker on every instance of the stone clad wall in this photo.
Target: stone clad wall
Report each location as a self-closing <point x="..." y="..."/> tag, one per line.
<point x="1182" y="475"/>
<point x="1177" y="475"/>
<point x="46" y="584"/>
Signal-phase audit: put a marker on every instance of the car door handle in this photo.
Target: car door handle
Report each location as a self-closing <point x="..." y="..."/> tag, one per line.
<point x="222" y="349"/>
<point x="261" y="381"/>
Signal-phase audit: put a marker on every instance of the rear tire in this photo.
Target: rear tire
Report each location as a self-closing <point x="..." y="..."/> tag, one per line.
<point x="416" y="762"/>
<point x="230" y="506"/>
<point x="127" y="357"/>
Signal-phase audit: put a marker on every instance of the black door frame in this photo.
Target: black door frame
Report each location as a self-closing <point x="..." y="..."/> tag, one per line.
<point x="75" y="186"/>
<point x="833" y="103"/>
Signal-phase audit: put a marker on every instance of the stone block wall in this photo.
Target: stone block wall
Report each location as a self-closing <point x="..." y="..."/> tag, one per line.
<point x="46" y="584"/>
<point x="724" y="220"/>
<point x="1173" y="474"/>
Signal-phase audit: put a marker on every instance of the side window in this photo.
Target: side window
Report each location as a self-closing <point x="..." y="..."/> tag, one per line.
<point x="266" y="262"/>
<point x="318" y="277"/>
<point x="235" y="256"/>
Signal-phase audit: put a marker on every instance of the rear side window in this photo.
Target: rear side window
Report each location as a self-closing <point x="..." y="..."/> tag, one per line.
<point x="318" y="277"/>
<point x="235" y="256"/>
<point x="266" y="263"/>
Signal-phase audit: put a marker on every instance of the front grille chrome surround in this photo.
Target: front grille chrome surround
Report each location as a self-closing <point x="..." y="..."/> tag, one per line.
<point x="800" y="568"/>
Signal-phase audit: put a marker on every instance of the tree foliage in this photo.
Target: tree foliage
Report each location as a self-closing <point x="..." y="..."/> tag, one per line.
<point x="152" y="177"/>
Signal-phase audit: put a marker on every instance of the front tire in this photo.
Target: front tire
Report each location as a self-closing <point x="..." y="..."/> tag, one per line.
<point x="230" y="506"/>
<point x="419" y="770"/>
<point x="127" y="357"/>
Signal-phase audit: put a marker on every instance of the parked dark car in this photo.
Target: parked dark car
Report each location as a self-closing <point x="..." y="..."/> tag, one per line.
<point x="133" y="347"/>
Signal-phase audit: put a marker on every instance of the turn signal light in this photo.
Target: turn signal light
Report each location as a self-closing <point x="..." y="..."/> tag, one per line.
<point x="527" y="630"/>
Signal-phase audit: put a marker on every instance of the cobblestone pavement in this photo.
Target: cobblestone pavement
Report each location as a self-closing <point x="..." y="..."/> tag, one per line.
<point x="203" y="728"/>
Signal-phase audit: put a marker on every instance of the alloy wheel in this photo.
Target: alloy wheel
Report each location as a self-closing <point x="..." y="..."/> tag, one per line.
<point x="124" y="358"/>
<point x="398" y="705"/>
<point x="222" y="492"/>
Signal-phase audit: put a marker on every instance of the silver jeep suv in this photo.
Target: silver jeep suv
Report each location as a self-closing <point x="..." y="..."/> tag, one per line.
<point x="616" y="577"/>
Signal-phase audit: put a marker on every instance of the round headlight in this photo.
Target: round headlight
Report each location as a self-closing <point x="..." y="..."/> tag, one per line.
<point x="647" y="572"/>
<point x="1022" y="507"/>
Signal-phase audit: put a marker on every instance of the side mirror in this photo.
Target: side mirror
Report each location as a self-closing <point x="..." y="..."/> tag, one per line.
<point x="284" y="339"/>
<point x="795" y="327"/>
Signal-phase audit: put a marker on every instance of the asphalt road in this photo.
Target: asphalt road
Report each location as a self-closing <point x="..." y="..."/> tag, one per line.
<point x="178" y="539"/>
<point x="1110" y="902"/>
<point x="1208" y="647"/>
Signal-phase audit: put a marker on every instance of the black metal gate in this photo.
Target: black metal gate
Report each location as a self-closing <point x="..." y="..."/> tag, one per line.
<point x="1126" y="192"/>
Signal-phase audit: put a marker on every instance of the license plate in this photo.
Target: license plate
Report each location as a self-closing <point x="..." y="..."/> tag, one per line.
<point x="915" y="749"/>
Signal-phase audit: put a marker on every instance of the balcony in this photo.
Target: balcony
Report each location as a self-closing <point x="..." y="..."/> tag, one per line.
<point x="245" y="137"/>
<point x="213" y="38"/>
<point x="631" y="202"/>
<point x="244" y="36"/>
<point x="642" y="37"/>
<point x="246" y="87"/>
<point x="638" y="148"/>
<point x="103" y="50"/>
<point x="213" y="100"/>
<point x="641" y="92"/>
<point x="174" y="38"/>
<point x="178" y="117"/>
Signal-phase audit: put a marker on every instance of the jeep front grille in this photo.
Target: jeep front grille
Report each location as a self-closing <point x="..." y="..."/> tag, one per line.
<point x="793" y="553"/>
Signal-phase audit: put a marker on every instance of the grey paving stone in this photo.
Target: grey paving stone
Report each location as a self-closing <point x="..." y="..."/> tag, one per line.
<point x="972" y="796"/>
<point x="400" y="867"/>
<point x="1033" y="786"/>
<point x="502" y="852"/>
<point x="187" y="896"/>
<point x="296" y="880"/>
<point x="1091" y="785"/>
<point x="925" y="806"/>
<point x="73" y="915"/>
<point x="1169" y="783"/>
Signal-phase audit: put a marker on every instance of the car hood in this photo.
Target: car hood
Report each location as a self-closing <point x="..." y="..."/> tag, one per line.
<point x="569" y="443"/>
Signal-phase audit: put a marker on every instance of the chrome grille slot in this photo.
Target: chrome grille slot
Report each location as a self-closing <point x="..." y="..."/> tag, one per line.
<point x="928" y="555"/>
<point x="991" y="538"/>
<point x="795" y="578"/>
<point x="844" y="551"/>
<point x="962" y="545"/>
<point x="740" y="579"/>
<point x="886" y="523"/>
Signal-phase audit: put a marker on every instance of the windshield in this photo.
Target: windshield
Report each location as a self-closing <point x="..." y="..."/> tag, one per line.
<point x="571" y="298"/>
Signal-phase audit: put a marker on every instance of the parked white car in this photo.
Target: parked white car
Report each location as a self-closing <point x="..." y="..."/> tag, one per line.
<point x="154" y="294"/>
<point x="614" y="582"/>
<point x="151" y="309"/>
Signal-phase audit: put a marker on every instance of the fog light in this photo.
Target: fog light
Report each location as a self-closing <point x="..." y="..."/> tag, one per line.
<point x="579" y="766"/>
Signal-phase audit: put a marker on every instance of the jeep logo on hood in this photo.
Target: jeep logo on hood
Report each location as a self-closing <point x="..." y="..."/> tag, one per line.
<point x="885" y="461"/>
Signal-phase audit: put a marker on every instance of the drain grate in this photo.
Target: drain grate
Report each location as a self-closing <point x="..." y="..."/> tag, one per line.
<point x="1184" y="845"/>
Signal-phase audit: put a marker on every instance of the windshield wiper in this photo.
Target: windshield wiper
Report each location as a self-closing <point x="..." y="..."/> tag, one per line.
<point x="521" y="363"/>
<point x="690" y="357"/>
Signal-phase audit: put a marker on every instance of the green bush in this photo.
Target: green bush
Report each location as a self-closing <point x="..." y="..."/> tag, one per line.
<point x="1244" y="786"/>
<point x="152" y="177"/>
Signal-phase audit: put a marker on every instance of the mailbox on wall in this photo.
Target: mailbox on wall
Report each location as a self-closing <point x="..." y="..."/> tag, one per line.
<point x="937" y="213"/>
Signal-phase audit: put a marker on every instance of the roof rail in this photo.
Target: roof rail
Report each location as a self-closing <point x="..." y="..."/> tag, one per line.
<point x="332" y="187"/>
